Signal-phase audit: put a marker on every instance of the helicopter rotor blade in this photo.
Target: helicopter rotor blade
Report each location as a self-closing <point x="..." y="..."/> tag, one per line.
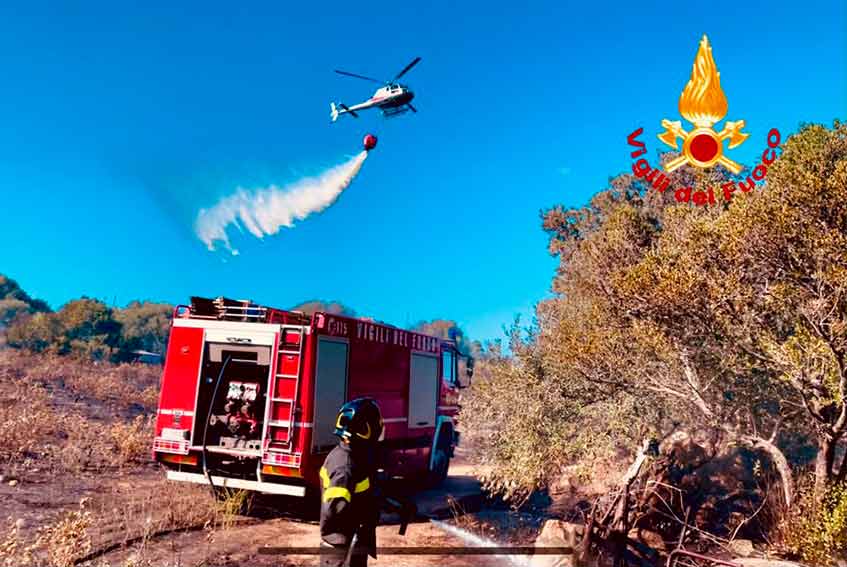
<point x="360" y="77"/>
<point x="407" y="67"/>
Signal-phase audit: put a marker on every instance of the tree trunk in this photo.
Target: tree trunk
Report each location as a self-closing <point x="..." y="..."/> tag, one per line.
<point x="779" y="461"/>
<point x="823" y="466"/>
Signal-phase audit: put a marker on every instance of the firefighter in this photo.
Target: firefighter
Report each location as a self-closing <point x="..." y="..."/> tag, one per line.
<point x="349" y="503"/>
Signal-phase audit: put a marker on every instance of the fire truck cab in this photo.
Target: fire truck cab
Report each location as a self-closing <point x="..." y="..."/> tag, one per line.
<point x="249" y="395"/>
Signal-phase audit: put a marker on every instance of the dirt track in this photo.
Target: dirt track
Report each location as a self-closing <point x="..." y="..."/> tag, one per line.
<point x="235" y="545"/>
<point x="130" y="511"/>
<point x="240" y="545"/>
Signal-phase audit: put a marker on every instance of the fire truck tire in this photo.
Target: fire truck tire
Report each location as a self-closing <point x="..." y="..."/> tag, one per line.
<point x="441" y="459"/>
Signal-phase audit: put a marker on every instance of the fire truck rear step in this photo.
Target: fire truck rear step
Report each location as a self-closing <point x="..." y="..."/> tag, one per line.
<point x="228" y="482"/>
<point x="233" y="451"/>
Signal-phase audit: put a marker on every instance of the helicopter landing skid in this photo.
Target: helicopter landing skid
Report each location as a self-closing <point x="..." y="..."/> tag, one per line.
<point x="396" y="111"/>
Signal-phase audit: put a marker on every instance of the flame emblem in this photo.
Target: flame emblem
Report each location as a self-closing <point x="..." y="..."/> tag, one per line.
<point x="703" y="103"/>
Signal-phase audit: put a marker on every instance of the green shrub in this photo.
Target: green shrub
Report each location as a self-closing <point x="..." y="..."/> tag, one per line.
<point x="817" y="531"/>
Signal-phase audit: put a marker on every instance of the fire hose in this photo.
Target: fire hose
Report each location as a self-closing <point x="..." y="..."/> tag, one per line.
<point x="404" y="507"/>
<point x="206" y="425"/>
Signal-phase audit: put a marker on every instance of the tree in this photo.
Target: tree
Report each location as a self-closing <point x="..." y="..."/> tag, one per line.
<point x="672" y="316"/>
<point x="449" y="330"/>
<point x="145" y="326"/>
<point x="754" y="300"/>
<point x="41" y="332"/>
<point x="332" y="307"/>
<point x="89" y="329"/>
<point x="9" y="289"/>
<point x="11" y="309"/>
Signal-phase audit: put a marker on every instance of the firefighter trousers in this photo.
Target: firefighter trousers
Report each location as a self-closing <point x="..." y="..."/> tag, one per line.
<point x="336" y="555"/>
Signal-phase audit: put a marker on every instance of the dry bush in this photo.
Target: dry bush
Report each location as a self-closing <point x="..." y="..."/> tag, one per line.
<point x="149" y="397"/>
<point x="11" y="546"/>
<point x="131" y="515"/>
<point x="93" y="445"/>
<point x="125" y="518"/>
<point x="87" y="446"/>
<point x="132" y="386"/>
<point x="27" y="421"/>
<point x="133" y="440"/>
<point x="230" y="504"/>
<point x="49" y="412"/>
<point x="58" y="544"/>
<point x="125" y="383"/>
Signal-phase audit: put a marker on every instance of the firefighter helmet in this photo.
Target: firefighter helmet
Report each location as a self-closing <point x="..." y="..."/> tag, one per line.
<point x="359" y="421"/>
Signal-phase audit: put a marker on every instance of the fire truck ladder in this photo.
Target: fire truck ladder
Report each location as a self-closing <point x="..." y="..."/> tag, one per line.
<point x="284" y="391"/>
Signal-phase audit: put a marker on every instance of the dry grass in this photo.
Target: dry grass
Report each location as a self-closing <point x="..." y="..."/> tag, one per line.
<point x="58" y="544"/>
<point x="128" y="518"/>
<point x="125" y="386"/>
<point x="73" y="416"/>
<point x="44" y="425"/>
<point x="132" y="440"/>
<point x="60" y="416"/>
<point x="26" y="418"/>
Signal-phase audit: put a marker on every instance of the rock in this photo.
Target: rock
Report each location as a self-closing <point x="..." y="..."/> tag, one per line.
<point x="565" y="482"/>
<point x="2" y="479"/>
<point x="742" y="547"/>
<point x="556" y="533"/>
<point x="20" y="523"/>
<point x="649" y="538"/>
<point x="13" y="482"/>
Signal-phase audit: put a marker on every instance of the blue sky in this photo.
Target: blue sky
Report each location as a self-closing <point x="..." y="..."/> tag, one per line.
<point x="120" y="120"/>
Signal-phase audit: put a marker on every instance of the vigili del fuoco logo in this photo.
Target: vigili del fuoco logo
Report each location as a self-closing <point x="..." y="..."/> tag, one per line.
<point x="703" y="104"/>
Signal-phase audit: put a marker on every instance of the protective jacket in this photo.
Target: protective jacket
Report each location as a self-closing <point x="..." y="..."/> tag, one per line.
<point x="349" y="503"/>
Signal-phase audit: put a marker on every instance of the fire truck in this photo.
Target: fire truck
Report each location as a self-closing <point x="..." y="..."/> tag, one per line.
<point x="249" y="395"/>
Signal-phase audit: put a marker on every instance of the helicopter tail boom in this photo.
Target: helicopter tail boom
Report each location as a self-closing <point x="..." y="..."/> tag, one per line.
<point x="335" y="112"/>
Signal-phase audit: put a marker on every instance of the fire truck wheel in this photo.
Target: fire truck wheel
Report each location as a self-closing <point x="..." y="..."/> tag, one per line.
<point x="441" y="460"/>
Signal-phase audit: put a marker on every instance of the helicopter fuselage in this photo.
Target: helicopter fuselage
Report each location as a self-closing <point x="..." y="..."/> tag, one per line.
<point x="387" y="97"/>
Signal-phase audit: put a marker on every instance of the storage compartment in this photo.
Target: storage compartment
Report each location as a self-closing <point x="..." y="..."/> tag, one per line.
<point x="232" y="397"/>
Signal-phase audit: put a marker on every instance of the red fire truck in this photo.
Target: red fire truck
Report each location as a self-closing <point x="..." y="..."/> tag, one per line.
<point x="249" y="395"/>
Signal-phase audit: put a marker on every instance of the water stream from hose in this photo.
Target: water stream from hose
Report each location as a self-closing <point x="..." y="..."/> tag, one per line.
<point x="474" y="540"/>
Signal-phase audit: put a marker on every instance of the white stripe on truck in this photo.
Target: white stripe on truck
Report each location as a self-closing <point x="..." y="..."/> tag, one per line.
<point x="176" y="412"/>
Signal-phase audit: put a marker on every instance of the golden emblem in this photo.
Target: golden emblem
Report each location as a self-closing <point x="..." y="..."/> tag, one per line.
<point x="703" y="103"/>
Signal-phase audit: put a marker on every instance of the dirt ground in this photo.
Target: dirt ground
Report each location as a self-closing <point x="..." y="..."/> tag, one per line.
<point x="133" y="521"/>
<point x="77" y="486"/>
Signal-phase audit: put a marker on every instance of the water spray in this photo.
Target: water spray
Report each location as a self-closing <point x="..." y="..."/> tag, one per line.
<point x="262" y="212"/>
<point x="478" y="541"/>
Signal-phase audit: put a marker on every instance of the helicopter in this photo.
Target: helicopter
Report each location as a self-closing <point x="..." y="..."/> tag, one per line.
<point x="392" y="98"/>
